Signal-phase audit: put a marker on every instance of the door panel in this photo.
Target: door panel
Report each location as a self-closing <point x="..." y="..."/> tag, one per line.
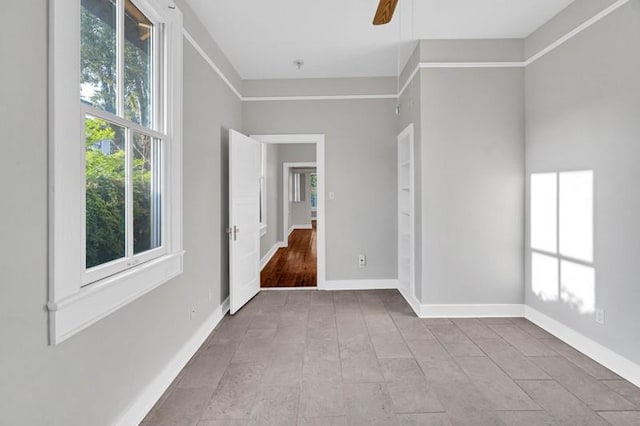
<point x="244" y="219"/>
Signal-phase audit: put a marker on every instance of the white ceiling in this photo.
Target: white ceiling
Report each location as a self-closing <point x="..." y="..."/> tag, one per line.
<point x="335" y="38"/>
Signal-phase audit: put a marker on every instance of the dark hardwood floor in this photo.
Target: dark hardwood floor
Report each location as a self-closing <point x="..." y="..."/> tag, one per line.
<point x="293" y="266"/>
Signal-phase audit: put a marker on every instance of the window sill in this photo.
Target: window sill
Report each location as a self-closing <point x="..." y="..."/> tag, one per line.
<point x="90" y="304"/>
<point x="263" y="230"/>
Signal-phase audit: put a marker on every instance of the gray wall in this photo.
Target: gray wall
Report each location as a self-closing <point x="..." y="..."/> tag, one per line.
<point x="583" y="105"/>
<point x="320" y="86"/>
<point x="472" y="185"/>
<point x="91" y="378"/>
<point x="360" y="169"/>
<point x="274" y="205"/>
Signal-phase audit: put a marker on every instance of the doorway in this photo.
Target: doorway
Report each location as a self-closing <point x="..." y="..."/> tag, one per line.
<point x="294" y="265"/>
<point x="297" y="259"/>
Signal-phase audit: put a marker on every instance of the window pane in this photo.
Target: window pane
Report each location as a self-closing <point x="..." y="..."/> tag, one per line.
<point x="98" y="54"/>
<point x="105" y="191"/>
<point x="576" y="215"/>
<point x="543" y="212"/>
<point x="314" y="191"/>
<point x="147" y="200"/>
<point x="578" y="286"/>
<point x="544" y="276"/>
<point x="138" y="64"/>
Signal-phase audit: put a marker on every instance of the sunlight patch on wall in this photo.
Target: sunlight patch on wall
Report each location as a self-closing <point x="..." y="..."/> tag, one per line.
<point x="561" y="236"/>
<point x="544" y="276"/>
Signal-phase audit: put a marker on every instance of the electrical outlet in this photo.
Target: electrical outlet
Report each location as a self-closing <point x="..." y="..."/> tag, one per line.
<point x="362" y="261"/>
<point x="193" y="312"/>
<point x="599" y="316"/>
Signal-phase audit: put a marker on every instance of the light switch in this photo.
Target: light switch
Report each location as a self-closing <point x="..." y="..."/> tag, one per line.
<point x="332" y="195"/>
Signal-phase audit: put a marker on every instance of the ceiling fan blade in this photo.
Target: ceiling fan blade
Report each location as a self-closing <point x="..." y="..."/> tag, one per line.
<point x="385" y="12"/>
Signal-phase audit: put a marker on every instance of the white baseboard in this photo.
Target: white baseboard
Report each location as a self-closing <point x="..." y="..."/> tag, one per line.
<point x="267" y="257"/>
<point x="288" y="288"/>
<point x="618" y="364"/>
<point x="303" y="226"/>
<point x="358" y="285"/>
<point x="411" y="299"/>
<point x="470" y="311"/>
<point x="152" y="393"/>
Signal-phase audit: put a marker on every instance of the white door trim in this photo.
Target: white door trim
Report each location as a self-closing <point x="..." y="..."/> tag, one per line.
<point x="317" y="139"/>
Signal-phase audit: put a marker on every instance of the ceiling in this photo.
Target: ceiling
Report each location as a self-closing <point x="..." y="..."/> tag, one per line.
<point x="335" y="38"/>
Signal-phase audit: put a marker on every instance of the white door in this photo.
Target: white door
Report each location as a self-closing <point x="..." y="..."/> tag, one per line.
<point x="244" y="219"/>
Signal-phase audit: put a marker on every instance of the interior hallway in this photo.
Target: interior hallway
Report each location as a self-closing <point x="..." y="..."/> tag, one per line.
<point x="295" y="265"/>
<point x="338" y="358"/>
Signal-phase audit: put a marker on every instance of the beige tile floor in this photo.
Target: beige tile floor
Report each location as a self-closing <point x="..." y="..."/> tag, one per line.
<point x="363" y="358"/>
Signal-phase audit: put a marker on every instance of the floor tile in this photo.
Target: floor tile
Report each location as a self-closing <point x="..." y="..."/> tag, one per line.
<point x="235" y="396"/>
<point x="361" y="368"/>
<point x="563" y="407"/>
<point x="436" y="321"/>
<point x="495" y="385"/>
<point x="320" y="298"/>
<point x="207" y="370"/>
<point x="321" y="370"/>
<point x="621" y="418"/>
<point x="595" y="394"/>
<point x="455" y="341"/>
<point x="522" y="341"/>
<point x="476" y="330"/>
<point x="526" y="418"/>
<point x="629" y="391"/>
<point x="322" y="399"/>
<point x="255" y="346"/>
<point x="223" y="422"/>
<point x="412" y="328"/>
<point x="516" y="365"/>
<point x="369" y="403"/>
<point x="408" y="387"/>
<point x="364" y="358"/>
<point x="276" y="405"/>
<point x="531" y="328"/>
<point x="584" y="362"/>
<point x="323" y="421"/>
<point x="184" y="407"/>
<point x="424" y="419"/>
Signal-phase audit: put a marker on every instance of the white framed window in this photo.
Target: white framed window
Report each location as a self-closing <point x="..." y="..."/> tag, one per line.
<point x="115" y="158"/>
<point x="561" y="238"/>
<point x="263" y="189"/>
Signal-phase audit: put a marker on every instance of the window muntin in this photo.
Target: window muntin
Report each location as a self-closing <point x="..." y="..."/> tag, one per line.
<point x="121" y="92"/>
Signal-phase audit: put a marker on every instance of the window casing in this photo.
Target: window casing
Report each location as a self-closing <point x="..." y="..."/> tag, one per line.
<point x="115" y="157"/>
